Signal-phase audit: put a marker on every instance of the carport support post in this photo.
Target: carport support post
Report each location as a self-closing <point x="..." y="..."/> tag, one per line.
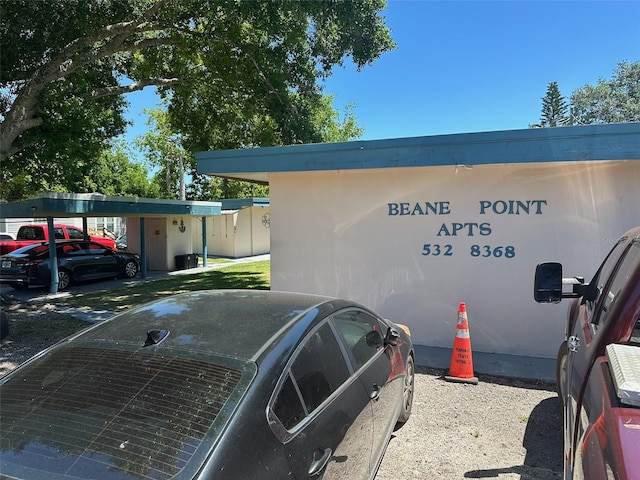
<point x="143" y="249"/>
<point x="53" y="259"/>
<point x="204" y="241"/>
<point x="85" y="228"/>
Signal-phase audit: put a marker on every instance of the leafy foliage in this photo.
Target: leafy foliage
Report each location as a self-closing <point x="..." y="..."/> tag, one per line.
<point x="234" y="72"/>
<point x="610" y="101"/>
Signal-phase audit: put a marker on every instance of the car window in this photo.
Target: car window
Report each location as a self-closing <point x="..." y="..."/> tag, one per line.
<point x="626" y="268"/>
<point x="288" y="406"/>
<point x="592" y="298"/>
<point x="635" y="335"/>
<point x="31" y="233"/>
<point x="361" y="333"/>
<point x="58" y="234"/>
<point x="317" y="371"/>
<point x="38" y="251"/>
<point x="96" y="249"/>
<point x="87" y="249"/>
<point x="108" y="411"/>
<point x="74" y="234"/>
<point x="71" y="249"/>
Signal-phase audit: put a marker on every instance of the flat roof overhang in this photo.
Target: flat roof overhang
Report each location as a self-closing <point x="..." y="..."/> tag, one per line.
<point x="97" y="205"/>
<point x="561" y="144"/>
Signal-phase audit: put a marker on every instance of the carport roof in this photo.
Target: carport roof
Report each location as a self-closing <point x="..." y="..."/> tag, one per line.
<point x="562" y="144"/>
<point x="94" y="204"/>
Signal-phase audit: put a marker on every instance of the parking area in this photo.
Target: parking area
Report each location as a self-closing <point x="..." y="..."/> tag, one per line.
<point x="498" y="429"/>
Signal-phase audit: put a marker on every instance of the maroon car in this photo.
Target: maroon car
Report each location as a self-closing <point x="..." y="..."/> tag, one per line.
<point x="599" y="363"/>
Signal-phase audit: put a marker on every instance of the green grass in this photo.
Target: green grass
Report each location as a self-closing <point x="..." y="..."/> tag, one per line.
<point x="252" y="275"/>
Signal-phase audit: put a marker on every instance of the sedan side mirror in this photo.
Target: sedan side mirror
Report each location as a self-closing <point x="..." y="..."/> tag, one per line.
<point x="392" y="338"/>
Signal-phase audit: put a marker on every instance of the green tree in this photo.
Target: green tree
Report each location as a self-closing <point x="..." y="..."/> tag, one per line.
<point x="554" y="108"/>
<point x="610" y="101"/>
<point x="115" y="174"/>
<point x="163" y="149"/>
<point x="251" y="66"/>
<point x="109" y="173"/>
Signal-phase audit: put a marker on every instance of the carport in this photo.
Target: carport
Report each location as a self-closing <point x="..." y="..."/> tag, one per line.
<point x="67" y="205"/>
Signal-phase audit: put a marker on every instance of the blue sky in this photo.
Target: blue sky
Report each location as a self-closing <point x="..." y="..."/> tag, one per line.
<point x="473" y="66"/>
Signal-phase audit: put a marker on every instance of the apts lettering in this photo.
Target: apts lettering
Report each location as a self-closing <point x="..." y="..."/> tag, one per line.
<point x="485" y="207"/>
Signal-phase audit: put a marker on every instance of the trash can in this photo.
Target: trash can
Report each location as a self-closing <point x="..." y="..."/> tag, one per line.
<point x="182" y="262"/>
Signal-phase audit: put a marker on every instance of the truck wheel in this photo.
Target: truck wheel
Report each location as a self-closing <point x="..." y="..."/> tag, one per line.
<point x="561" y="371"/>
<point x="64" y="280"/>
<point x="130" y="269"/>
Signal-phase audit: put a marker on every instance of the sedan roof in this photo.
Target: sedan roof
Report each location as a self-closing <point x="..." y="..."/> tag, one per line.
<point x="233" y="323"/>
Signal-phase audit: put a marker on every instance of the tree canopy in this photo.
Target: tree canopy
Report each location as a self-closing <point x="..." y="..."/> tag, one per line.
<point x="610" y="101"/>
<point x="234" y="72"/>
<point x="176" y="167"/>
<point x="554" y="108"/>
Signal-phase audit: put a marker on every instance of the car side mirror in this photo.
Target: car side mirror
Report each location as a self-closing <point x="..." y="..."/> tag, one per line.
<point x="547" y="285"/>
<point x="392" y="338"/>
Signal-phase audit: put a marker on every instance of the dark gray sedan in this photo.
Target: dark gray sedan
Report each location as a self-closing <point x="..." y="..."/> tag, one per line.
<point x="78" y="261"/>
<point x="212" y="385"/>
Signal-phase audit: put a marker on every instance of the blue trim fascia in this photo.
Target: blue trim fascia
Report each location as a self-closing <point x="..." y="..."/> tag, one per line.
<point x="64" y="205"/>
<point x="239" y="203"/>
<point x="534" y="145"/>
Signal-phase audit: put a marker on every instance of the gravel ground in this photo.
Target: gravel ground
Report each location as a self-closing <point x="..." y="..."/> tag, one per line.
<point x="498" y="429"/>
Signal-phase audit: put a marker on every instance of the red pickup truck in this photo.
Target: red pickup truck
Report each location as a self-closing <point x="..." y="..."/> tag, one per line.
<point x="598" y="365"/>
<point x="29" y="234"/>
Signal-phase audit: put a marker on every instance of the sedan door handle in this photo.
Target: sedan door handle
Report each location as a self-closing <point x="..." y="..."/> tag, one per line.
<point x="376" y="392"/>
<point x="318" y="464"/>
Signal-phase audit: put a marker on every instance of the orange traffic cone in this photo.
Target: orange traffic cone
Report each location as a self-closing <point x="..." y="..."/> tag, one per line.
<point x="461" y="369"/>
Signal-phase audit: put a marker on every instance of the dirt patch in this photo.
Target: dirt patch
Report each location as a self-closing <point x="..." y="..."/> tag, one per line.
<point x="33" y="326"/>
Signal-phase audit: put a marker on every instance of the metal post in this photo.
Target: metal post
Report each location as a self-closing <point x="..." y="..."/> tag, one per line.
<point x="204" y="241"/>
<point x="143" y="249"/>
<point x="53" y="258"/>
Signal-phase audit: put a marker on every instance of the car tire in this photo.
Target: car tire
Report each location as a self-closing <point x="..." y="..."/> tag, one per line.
<point x="64" y="279"/>
<point x="407" y="392"/>
<point x="561" y="371"/>
<point x="18" y="285"/>
<point x="130" y="269"/>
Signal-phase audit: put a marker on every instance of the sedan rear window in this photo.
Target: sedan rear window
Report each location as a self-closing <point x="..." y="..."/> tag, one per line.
<point x="109" y="414"/>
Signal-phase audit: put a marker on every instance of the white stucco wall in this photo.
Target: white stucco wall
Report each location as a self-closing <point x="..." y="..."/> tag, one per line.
<point x="252" y="233"/>
<point x="342" y="233"/>
<point x="240" y="233"/>
<point x="164" y="239"/>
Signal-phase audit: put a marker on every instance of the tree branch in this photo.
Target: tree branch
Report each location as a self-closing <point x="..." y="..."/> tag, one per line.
<point x="133" y="87"/>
